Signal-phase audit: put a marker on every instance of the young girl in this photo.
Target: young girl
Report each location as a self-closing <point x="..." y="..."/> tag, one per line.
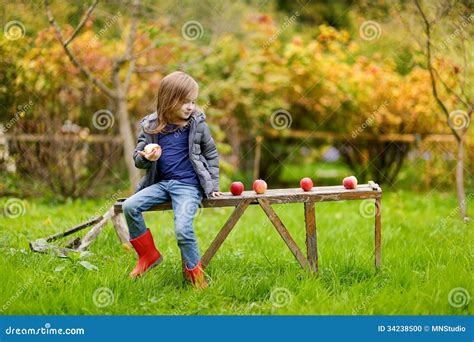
<point x="182" y="169"/>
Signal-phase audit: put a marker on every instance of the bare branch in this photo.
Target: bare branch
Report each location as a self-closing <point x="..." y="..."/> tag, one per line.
<point x="133" y="31"/>
<point x="128" y="77"/>
<point x="81" y="24"/>
<point x="448" y="89"/>
<point x="106" y="90"/>
<point x="427" y="26"/>
<point x="130" y="41"/>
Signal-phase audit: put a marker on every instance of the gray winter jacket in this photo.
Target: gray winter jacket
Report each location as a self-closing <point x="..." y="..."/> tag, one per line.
<point x="202" y="153"/>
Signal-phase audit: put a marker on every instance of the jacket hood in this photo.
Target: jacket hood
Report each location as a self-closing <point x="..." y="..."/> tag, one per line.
<point x="151" y="120"/>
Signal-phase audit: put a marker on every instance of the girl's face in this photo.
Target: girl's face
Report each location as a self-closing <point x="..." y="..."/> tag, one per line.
<point x="188" y="107"/>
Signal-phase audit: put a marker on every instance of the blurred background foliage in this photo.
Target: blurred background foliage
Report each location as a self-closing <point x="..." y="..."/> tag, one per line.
<point x="251" y="59"/>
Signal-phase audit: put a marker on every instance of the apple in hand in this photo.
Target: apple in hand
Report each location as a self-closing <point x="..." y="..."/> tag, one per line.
<point x="151" y="152"/>
<point x="236" y="188"/>
<point x="306" y="184"/>
<point x="150" y="147"/>
<point x="350" y="182"/>
<point x="260" y="186"/>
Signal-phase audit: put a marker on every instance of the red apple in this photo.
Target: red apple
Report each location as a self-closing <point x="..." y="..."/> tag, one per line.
<point x="236" y="188"/>
<point x="306" y="184"/>
<point x="350" y="182"/>
<point x="260" y="186"/>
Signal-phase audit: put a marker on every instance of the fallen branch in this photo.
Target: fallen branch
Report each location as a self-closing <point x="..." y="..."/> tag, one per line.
<point x="77" y="244"/>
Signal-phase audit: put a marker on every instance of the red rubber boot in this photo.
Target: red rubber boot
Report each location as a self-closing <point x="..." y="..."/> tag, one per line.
<point x="196" y="276"/>
<point x="148" y="255"/>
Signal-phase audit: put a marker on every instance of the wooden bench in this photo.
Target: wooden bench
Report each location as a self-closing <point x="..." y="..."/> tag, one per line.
<point x="282" y="196"/>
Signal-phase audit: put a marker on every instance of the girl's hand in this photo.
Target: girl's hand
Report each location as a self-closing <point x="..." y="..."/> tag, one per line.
<point x="216" y="194"/>
<point x="154" y="155"/>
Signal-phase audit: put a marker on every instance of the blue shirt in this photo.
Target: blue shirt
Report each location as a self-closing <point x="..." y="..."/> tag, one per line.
<point x="174" y="162"/>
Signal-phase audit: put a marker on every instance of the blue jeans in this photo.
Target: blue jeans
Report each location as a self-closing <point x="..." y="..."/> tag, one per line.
<point x="185" y="199"/>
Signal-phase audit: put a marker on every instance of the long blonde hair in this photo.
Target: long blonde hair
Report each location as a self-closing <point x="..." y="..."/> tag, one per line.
<point x="173" y="92"/>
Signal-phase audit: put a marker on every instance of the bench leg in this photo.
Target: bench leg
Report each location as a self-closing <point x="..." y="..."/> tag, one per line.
<point x="92" y="234"/>
<point x="228" y="226"/>
<point x="378" y="232"/>
<point x="285" y="235"/>
<point x="121" y="229"/>
<point x="311" y="238"/>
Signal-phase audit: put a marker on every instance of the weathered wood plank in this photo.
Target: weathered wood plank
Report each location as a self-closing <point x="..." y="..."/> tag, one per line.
<point x="283" y="196"/>
<point x="311" y="237"/>
<point x="281" y="229"/>
<point x="41" y="246"/>
<point x="74" y="229"/>
<point x="280" y="196"/>
<point x="122" y="230"/>
<point x="224" y="232"/>
<point x="94" y="232"/>
<point x="374" y="186"/>
<point x="378" y="232"/>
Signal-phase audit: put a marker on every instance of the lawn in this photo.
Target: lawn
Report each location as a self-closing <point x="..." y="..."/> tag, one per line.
<point x="426" y="254"/>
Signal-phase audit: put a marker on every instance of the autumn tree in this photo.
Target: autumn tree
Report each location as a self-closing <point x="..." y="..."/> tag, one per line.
<point x="447" y="27"/>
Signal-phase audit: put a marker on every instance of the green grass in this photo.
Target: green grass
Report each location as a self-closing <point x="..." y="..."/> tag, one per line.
<point x="427" y="252"/>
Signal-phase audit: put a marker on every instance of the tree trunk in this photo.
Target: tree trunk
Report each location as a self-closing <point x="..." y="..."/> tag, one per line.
<point x="128" y="140"/>
<point x="460" y="178"/>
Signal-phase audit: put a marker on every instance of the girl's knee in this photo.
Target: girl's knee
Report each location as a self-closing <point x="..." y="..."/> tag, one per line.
<point x="129" y="207"/>
<point x="185" y="235"/>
